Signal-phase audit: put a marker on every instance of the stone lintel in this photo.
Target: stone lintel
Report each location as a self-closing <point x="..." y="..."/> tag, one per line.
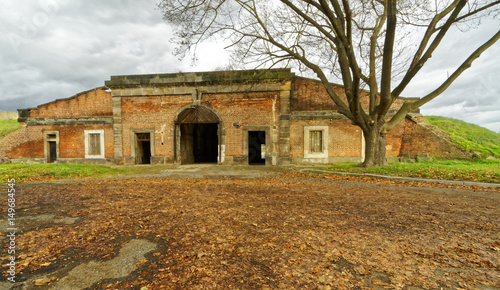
<point x="316" y="115"/>
<point x="104" y="120"/>
<point x="143" y="90"/>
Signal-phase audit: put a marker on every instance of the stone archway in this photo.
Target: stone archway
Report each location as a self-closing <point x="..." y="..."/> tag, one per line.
<point x="198" y="135"/>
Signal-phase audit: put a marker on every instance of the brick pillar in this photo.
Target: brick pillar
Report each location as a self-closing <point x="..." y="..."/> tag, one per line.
<point x="284" y="136"/>
<point x="118" y="129"/>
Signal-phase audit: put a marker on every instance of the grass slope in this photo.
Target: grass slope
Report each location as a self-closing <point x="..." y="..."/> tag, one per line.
<point x="473" y="138"/>
<point x="46" y="172"/>
<point x="477" y="170"/>
<point x="7" y="126"/>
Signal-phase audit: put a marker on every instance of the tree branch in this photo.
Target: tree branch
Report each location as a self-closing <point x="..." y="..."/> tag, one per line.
<point x="390" y="34"/>
<point x="410" y="106"/>
<point x="372" y="62"/>
<point x="343" y="108"/>
<point x="413" y="70"/>
<point x="476" y="11"/>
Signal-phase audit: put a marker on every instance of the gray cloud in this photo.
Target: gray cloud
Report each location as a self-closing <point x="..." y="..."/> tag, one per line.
<point x="475" y="96"/>
<point x="57" y="50"/>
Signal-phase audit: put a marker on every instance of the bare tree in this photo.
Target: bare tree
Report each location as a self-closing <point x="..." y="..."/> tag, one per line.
<point x="363" y="43"/>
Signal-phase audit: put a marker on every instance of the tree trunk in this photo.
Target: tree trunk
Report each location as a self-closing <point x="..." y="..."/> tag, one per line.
<point x="374" y="147"/>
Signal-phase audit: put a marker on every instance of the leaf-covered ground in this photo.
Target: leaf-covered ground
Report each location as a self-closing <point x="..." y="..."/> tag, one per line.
<point x="281" y="230"/>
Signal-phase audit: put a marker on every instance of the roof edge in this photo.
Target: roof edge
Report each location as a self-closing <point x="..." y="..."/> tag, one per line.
<point x="200" y="77"/>
<point x="63" y="99"/>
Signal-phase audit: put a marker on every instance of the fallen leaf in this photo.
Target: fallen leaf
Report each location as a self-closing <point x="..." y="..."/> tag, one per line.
<point x="141" y="262"/>
<point x="44" y="281"/>
<point x="361" y="270"/>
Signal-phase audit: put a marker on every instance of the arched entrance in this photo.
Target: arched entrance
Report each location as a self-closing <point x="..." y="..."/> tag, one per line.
<point x="198" y="136"/>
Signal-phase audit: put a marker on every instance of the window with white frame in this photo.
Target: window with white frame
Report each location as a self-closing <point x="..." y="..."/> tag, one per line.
<point x="316" y="142"/>
<point x="94" y="144"/>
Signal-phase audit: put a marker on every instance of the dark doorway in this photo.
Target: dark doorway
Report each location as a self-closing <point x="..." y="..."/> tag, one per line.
<point x="143" y="148"/>
<point x="199" y="143"/>
<point x="257" y="147"/>
<point x="52" y="151"/>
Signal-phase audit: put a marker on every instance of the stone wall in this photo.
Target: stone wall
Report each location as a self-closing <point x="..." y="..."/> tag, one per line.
<point x="418" y="137"/>
<point x="8" y="115"/>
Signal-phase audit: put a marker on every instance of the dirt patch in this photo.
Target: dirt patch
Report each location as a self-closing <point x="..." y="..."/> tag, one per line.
<point x="264" y="229"/>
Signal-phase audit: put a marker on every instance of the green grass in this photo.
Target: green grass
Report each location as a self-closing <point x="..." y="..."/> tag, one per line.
<point x="473" y="138"/>
<point x="45" y="172"/>
<point x="7" y="126"/>
<point x="477" y="171"/>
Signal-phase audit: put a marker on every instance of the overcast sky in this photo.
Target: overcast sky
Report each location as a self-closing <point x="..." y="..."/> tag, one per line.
<point x="54" y="49"/>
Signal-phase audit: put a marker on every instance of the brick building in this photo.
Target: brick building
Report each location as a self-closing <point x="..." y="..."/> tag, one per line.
<point x="239" y="117"/>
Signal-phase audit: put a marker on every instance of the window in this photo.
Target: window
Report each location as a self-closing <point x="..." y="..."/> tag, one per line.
<point x="316" y="141"/>
<point x="94" y="144"/>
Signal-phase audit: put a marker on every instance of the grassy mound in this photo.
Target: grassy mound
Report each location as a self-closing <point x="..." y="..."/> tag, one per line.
<point x="473" y="138"/>
<point x="7" y="126"/>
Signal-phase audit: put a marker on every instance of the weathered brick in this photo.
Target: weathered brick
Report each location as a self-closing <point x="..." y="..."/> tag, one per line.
<point x="273" y="101"/>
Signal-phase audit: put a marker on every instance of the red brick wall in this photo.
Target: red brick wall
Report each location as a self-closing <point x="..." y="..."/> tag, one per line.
<point x="344" y="138"/>
<point x="310" y="95"/>
<point x="28" y="142"/>
<point x="416" y="137"/>
<point x="252" y="109"/>
<point x="72" y="140"/>
<point x="93" y="103"/>
<point x="248" y="109"/>
<point x="156" y="112"/>
<point x="393" y="140"/>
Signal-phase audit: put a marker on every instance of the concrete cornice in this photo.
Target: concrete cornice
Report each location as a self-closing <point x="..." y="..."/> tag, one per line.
<point x="69" y="121"/>
<point x="198" y="78"/>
